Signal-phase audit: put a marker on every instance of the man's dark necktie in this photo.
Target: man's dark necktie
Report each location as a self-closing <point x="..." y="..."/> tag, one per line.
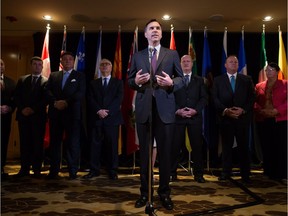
<point x="65" y="77"/>
<point x="105" y="83"/>
<point x="154" y="60"/>
<point x="34" y="81"/>
<point x="232" y="81"/>
<point x="186" y="77"/>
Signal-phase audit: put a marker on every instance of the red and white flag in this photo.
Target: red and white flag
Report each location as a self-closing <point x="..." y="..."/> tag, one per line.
<point x="45" y="54"/>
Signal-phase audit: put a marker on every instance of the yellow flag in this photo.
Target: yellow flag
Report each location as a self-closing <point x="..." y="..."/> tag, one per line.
<point x="187" y="142"/>
<point x="282" y="60"/>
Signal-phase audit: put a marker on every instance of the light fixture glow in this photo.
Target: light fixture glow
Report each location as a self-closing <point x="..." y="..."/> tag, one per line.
<point x="268" y="18"/>
<point x="166" y="17"/>
<point x="47" y="17"/>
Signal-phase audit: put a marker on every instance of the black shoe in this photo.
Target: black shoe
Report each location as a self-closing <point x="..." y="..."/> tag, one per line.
<point x="113" y="176"/>
<point x="21" y="174"/>
<point x="223" y="177"/>
<point x="173" y="178"/>
<point x="91" y="175"/>
<point x="167" y="202"/>
<point x="37" y="175"/>
<point x="199" y="179"/>
<point x="52" y="176"/>
<point x="141" y="202"/>
<point x="72" y="176"/>
<point x="246" y="180"/>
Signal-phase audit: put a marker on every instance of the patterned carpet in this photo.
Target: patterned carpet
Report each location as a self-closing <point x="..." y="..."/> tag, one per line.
<point x="101" y="196"/>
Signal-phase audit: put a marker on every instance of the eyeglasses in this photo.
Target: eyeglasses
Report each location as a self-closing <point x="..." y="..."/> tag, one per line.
<point x="105" y="63"/>
<point x="270" y="69"/>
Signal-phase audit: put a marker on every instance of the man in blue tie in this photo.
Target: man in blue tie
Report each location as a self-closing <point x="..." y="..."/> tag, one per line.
<point x="233" y="94"/>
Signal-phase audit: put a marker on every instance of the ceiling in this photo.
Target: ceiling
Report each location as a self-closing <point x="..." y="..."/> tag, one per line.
<point x="24" y="17"/>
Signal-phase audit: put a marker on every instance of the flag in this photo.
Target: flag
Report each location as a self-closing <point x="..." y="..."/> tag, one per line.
<point x="242" y="55"/>
<point x="45" y="54"/>
<point x="117" y="72"/>
<point x="224" y="51"/>
<point x="282" y="60"/>
<point x="63" y="49"/>
<point x="97" y="73"/>
<point x="79" y="64"/>
<point x="207" y="75"/>
<point x="263" y="59"/>
<point x="187" y="142"/>
<point x="192" y="52"/>
<point x="172" y="39"/>
<point x="128" y="104"/>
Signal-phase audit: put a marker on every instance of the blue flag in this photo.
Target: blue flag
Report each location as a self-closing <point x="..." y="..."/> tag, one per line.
<point x="207" y="75"/>
<point x="242" y="56"/>
<point x="79" y="64"/>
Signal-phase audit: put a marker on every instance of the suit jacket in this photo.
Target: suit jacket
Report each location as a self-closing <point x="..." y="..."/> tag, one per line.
<point x="28" y="96"/>
<point x="193" y="96"/>
<point x="73" y="93"/>
<point x="169" y="62"/>
<point x="224" y="97"/>
<point x="279" y="99"/>
<point x="7" y="93"/>
<point x="110" y="99"/>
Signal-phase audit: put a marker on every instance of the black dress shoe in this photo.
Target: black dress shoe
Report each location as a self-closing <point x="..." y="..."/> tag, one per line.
<point x="141" y="202"/>
<point x="113" y="176"/>
<point x="223" y="177"/>
<point x="199" y="179"/>
<point x="72" y="176"/>
<point x="91" y="175"/>
<point x="21" y="174"/>
<point x="173" y="178"/>
<point x="167" y="202"/>
<point x="52" y="176"/>
<point x="246" y="180"/>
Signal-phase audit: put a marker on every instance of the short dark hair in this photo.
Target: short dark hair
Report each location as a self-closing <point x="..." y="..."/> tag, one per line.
<point x="35" y="58"/>
<point x="150" y="21"/>
<point x="67" y="53"/>
<point x="274" y="65"/>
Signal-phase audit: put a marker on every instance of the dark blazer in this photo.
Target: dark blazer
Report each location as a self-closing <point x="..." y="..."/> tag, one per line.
<point x="73" y="92"/>
<point x="28" y="96"/>
<point x="243" y="97"/>
<point x="193" y="96"/>
<point x="7" y="93"/>
<point x="169" y="62"/>
<point x="110" y="99"/>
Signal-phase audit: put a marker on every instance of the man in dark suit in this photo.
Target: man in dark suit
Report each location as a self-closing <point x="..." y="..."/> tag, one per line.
<point x="65" y="92"/>
<point x="104" y="98"/>
<point x="155" y="107"/>
<point x="190" y="101"/>
<point x="31" y="116"/>
<point x="7" y="86"/>
<point x="233" y="94"/>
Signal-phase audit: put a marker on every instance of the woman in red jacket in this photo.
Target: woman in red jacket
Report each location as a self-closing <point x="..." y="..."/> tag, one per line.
<point x="271" y="121"/>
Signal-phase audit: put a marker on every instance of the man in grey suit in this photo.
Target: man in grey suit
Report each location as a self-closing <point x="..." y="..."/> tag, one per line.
<point x="155" y="84"/>
<point x="233" y="94"/>
<point x="65" y="91"/>
<point x="190" y="101"/>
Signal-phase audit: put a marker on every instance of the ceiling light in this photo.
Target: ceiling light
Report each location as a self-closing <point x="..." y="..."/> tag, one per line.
<point x="166" y="17"/>
<point x="47" y="17"/>
<point x="268" y="18"/>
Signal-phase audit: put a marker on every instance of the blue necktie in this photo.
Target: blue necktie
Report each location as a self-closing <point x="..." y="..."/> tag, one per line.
<point x="154" y="60"/>
<point x="65" y="77"/>
<point x="186" y="77"/>
<point x="232" y="81"/>
<point x="105" y="83"/>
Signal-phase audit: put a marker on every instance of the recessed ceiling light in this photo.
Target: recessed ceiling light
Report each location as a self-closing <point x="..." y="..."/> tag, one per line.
<point x="47" y="17"/>
<point x="166" y="17"/>
<point x="268" y="18"/>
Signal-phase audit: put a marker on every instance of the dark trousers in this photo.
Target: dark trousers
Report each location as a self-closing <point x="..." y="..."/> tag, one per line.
<point x="72" y="129"/>
<point x="31" y="133"/>
<point x="5" y="134"/>
<point x="241" y="132"/>
<point x="196" y="143"/>
<point x="104" y="139"/>
<point x="163" y="134"/>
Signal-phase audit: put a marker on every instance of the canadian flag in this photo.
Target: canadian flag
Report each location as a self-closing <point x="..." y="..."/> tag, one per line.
<point x="45" y="55"/>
